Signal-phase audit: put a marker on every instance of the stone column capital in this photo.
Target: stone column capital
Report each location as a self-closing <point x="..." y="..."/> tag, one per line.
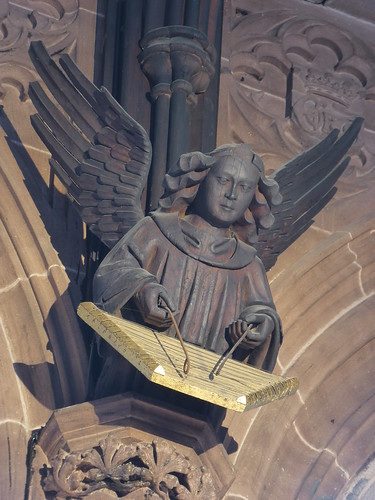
<point x="176" y="53"/>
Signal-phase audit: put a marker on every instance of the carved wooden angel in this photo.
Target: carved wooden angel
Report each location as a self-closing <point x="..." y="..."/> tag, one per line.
<point x="220" y="225"/>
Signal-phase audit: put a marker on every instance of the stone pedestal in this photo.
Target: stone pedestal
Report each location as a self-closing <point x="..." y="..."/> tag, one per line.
<point x="99" y="444"/>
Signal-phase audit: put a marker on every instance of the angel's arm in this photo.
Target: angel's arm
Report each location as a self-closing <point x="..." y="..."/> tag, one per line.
<point x="122" y="276"/>
<point x="265" y="334"/>
<point x="119" y="277"/>
<point x="268" y="326"/>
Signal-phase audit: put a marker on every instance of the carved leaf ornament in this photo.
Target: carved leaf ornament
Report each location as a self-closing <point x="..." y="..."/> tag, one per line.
<point x="114" y="469"/>
<point x="23" y="20"/>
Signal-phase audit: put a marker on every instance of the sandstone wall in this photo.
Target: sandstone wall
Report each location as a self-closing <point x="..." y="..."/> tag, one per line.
<point x="43" y="360"/>
<point x="292" y="71"/>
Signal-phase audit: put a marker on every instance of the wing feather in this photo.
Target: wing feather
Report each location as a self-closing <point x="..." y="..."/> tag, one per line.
<point x="306" y="185"/>
<point x="99" y="152"/>
<point x="294" y="166"/>
<point x="63" y="91"/>
<point x="57" y="122"/>
<point x="66" y="160"/>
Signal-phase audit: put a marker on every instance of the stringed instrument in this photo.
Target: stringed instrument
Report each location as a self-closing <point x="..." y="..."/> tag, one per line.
<point x="160" y="359"/>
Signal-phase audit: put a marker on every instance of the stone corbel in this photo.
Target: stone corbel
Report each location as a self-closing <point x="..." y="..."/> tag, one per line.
<point x="125" y="446"/>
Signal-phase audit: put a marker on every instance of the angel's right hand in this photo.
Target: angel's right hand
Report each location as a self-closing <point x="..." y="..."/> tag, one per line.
<point x="148" y="302"/>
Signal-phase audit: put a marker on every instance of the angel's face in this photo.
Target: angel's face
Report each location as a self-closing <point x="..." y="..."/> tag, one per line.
<point x="227" y="191"/>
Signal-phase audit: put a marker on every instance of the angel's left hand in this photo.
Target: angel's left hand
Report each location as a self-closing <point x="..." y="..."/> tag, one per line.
<point x="262" y="327"/>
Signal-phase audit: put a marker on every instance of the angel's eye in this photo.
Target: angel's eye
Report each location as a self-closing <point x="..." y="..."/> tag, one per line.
<point x="222" y="180"/>
<point x="246" y="188"/>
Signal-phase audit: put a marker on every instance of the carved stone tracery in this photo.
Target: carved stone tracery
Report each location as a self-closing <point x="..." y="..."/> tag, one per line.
<point x="288" y="79"/>
<point x="133" y="470"/>
<point x="281" y="52"/>
<point x="20" y="20"/>
<point x="53" y="21"/>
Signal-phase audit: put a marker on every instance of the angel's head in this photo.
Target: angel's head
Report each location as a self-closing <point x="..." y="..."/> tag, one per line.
<point x="227" y="188"/>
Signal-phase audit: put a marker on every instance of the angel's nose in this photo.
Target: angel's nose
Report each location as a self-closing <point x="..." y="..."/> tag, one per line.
<point x="231" y="193"/>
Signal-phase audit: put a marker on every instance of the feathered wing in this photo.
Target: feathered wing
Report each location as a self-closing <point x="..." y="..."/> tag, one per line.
<point x="103" y="158"/>
<point x="306" y="185"/>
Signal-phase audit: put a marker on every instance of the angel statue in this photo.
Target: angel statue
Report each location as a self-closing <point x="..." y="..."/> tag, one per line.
<point x="220" y="225"/>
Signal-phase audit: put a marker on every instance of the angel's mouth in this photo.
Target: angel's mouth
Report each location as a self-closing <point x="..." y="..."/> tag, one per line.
<point x="227" y="208"/>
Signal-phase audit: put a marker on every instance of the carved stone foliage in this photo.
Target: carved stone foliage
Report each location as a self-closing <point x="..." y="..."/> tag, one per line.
<point x="127" y="470"/>
<point x="37" y="18"/>
<point x="22" y="20"/>
<point x="290" y="79"/>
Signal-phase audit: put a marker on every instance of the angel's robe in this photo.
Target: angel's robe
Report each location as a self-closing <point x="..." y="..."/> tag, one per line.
<point x="211" y="280"/>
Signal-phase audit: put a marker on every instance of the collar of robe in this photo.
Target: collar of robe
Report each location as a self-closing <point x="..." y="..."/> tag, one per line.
<point x="205" y="246"/>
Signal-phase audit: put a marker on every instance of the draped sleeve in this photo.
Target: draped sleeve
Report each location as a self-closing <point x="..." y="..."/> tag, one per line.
<point x="122" y="272"/>
<point x="259" y="301"/>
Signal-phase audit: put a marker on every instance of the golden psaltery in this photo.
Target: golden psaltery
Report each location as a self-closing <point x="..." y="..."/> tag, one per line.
<point x="159" y="358"/>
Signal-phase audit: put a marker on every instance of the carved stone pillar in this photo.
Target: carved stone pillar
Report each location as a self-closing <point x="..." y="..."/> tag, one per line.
<point x="178" y="61"/>
<point x="155" y="63"/>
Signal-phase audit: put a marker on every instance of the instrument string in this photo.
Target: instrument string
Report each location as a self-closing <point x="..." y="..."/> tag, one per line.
<point x="234" y="347"/>
<point x="179" y="336"/>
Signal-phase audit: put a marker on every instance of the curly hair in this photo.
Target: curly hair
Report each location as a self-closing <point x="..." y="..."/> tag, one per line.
<point x="182" y="183"/>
